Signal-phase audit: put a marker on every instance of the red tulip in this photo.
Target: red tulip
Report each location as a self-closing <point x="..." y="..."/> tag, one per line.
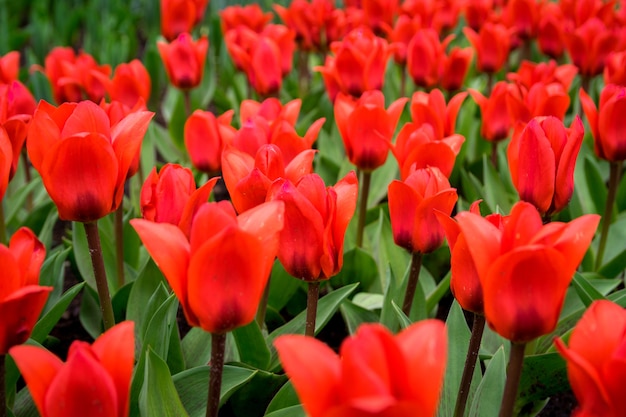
<point x="94" y="381"/>
<point x="615" y="68"/>
<point x="412" y="205"/>
<point x="542" y="158"/>
<point x="184" y="60"/>
<point x="526" y="267"/>
<point x="531" y="73"/>
<point x="6" y="161"/>
<point x="431" y="108"/>
<point x="21" y="297"/>
<point x="308" y="20"/>
<point x="551" y="32"/>
<point x="271" y="109"/>
<point x="492" y="44"/>
<point x="250" y="16"/>
<point x="379" y="15"/>
<point x="441" y="15"/>
<point x="495" y="117"/>
<point x="130" y="84"/>
<point x="220" y="272"/>
<point x="205" y="139"/>
<point x="180" y="16"/>
<point x="170" y="196"/>
<point x="539" y="100"/>
<point x="316" y="218"/>
<point x="589" y="45"/>
<point x="9" y="67"/>
<point x="249" y="179"/>
<point x="425" y="55"/>
<point x="454" y="68"/>
<point x="358" y="64"/>
<point x="82" y="159"/>
<point x="607" y="123"/>
<point x="417" y="147"/>
<point x="523" y="16"/>
<point x="376" y="374"/>
<point x="595" y="360"/>
<point x="401" y="35"/>
<point x="366" y="127"/>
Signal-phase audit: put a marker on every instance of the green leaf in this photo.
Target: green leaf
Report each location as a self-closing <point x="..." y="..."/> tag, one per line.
<point x="158" y="395"/>
<point x="615" y="266"/>
<point x="157" y="333"/>
<point x="193" y="386"/>
<point x="402" y="318"/>
<point x="253" y="397"/>
<point x="83" y="257"/>
<point x="284" y="398"/>
<point x="585" y="290"/>
<point x="595" y="184"/>
<point x="381" y="178"/>
<point x="282" y="287"/>
<point x="440" y="291"/>
<point x="496" y="194"/>
<point x="543" y="376"/>
<point x="293" y="411"/>
<point x="491" y="388"/>
<point x="196" y="347"/>
<point x="53" y="274"/>
<point x="355" y="315"/>
<point x="47" y="322"/>
<point x="326" y="308"/>
<point x="251" y="345"/>
<point x="358" y="266"/>
<point x="458" y="344"/>
<point x="141" y="300"/>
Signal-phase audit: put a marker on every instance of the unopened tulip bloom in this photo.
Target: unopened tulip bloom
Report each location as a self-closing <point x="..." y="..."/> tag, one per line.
<point x="250" y="16"/>
<point x="526" y="267"/>
<point x="376" y="374"/>
<point x="424" y="57"/>
<point x="607" y="122"/>
<point x="431" y="108"/>
<point x="170" y="196"/>
<point x="316" y="219"/>
<point x="615" y="68"/>
<point x="21" y="296"/>
<point x="496" y="123"/>
<point x="454" y="68"/>
<point x="309" y="21"/>
<point x="595" y="360"/>
<point x="412" y="205"/>
<point x="94" y="381"/>
<point x="180" y="16"/>
<point x="9" y="67"/>
<point x="492" y="44"/>
<point x="130" y="84"/>
<point x="539" y="100"/>
<point x="184" y="60"/>
<point x="551" y="30"/>
<point x="530" y="73"/>
<point x="205" y="139"/>
<point x="542" y="157"/>
<point x="589" y="45"/>
<point x="83" y="160"/>
<point x="220" y="272"/>
<point x="249" y="179"/>
<point x="366" y="127"/>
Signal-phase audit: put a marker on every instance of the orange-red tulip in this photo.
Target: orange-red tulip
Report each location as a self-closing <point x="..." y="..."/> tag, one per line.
<point x="539" y="100"/>
<point x="379" y="15"/>
<point x="526" y="267"/>
<point x="271" y="109"/>
<point x="523" y="17"/>
<point x="376" y="374"/>
<point x="496" y="122"/>
<point x="6" y="160"/>
<point x="250" y="16"/>
<point x="94" y="381"/>
<point x="249" y="179"/>
<point x="180" y="16"/>
<point x="130" y="84"/>
<point x="530" y="73"/>
<point x="454" y="68"/>
<point x="551" y="32"/>
<point x="492" y="44"/>
<point x="542" y="158"/>
<point x="316" y="218"/>
<point x="17" y="106"/>
<point x="9" y="67"/>
<point x="441" y="15"/>
<point x="21" y="297"/>
<point x="431" y="108"/>
<point x="170" y="196"/>
<point x="424" y="57"/>
<point x="366" y="127"/>
<point x="358" y="64"/>
<point x="184" y="60"/>
<point x="595" y="360"/>
<point x="615" y="68"/>
<point x="478" y="12"/>
<point x="401" y="35"/>
<point x="607" y="122"/>
<point x="589" y="45"/>
<point x="205" y="139"/>
<point x="308" y="20"/>
<point x="82" y="159"/>
<point x="412" y="205"/>
<point x="220" y="272"/>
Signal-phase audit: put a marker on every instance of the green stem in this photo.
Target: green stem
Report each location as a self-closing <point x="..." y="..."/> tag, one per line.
<point x="608" y="210"/>
<point x="304" y="75"/>
<point x="187" y="94"/>
<point x="402" y="80"/>
<point x="470" y="364"/>
<point x="218" y="347"/>
<point x="494" y="154"/>
<point x="95" y="250"/>
<point x="411" y="286"/>
<point x="119" y="243"/>
<point x="365" y="190"/>
<point x="28" y="178"/>
<point x="260" y="314"/>
<point x="513" y="374"/>
<point x="311" y="307"/>
<point x="3" y="393"/>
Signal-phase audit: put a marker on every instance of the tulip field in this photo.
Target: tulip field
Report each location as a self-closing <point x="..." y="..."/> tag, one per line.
<point x="322" y="208"/>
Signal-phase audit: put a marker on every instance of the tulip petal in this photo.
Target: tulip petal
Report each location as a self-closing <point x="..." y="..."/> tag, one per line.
<point x="20" y="312"/>
<point x="485" y="237"/>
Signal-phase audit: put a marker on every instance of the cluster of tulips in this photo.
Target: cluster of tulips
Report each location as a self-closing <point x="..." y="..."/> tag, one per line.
<point x="276" y="196"/>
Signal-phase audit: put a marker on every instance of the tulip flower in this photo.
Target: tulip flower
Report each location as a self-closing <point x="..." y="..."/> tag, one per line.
<point x="308" y="20"/>
<point x="366" y="127"/>
<point x="184" y="60"/>
<point x="531" y="73"/>
<point x="478" y="12"/>
<point x="589" y="45"/>
<point x="425" y="54"/>
<point x="441" y="15"/>
<point x="94" y="381"/>
<point x="358" y="64"/>
<point x="495" y="117"/>
<point x="170" y="196"/>
<point x="417" y="147"/>
<point x="206" y="137"/>
<point x="271" y="109"/>
<point x="526" y="254"/>
<point x="595" y="360"/>
<point x="21" y="297"/>
<point x="82" y="159"/>
<point x="454" y="68"/>
<point x="316" y="218"/>
<point x="9" y="67"/>
<point x="376" y="374"/>
<point x="539" y="100"/>
<point x="523" y="16"/>
<point x="180" y="16"/>
<point x="492" y="44"/>
<point x="249" y="179"/>
<point x="615" y="68"/>
<point x="250" y="16"/>
<point x="551" y="31"/>
<point x="542" y="158"/>
<point x="379" y="15"/>
<point x="431" y="108"/>
<point x="401" y="35"/>
<point x="130" y="84"/>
